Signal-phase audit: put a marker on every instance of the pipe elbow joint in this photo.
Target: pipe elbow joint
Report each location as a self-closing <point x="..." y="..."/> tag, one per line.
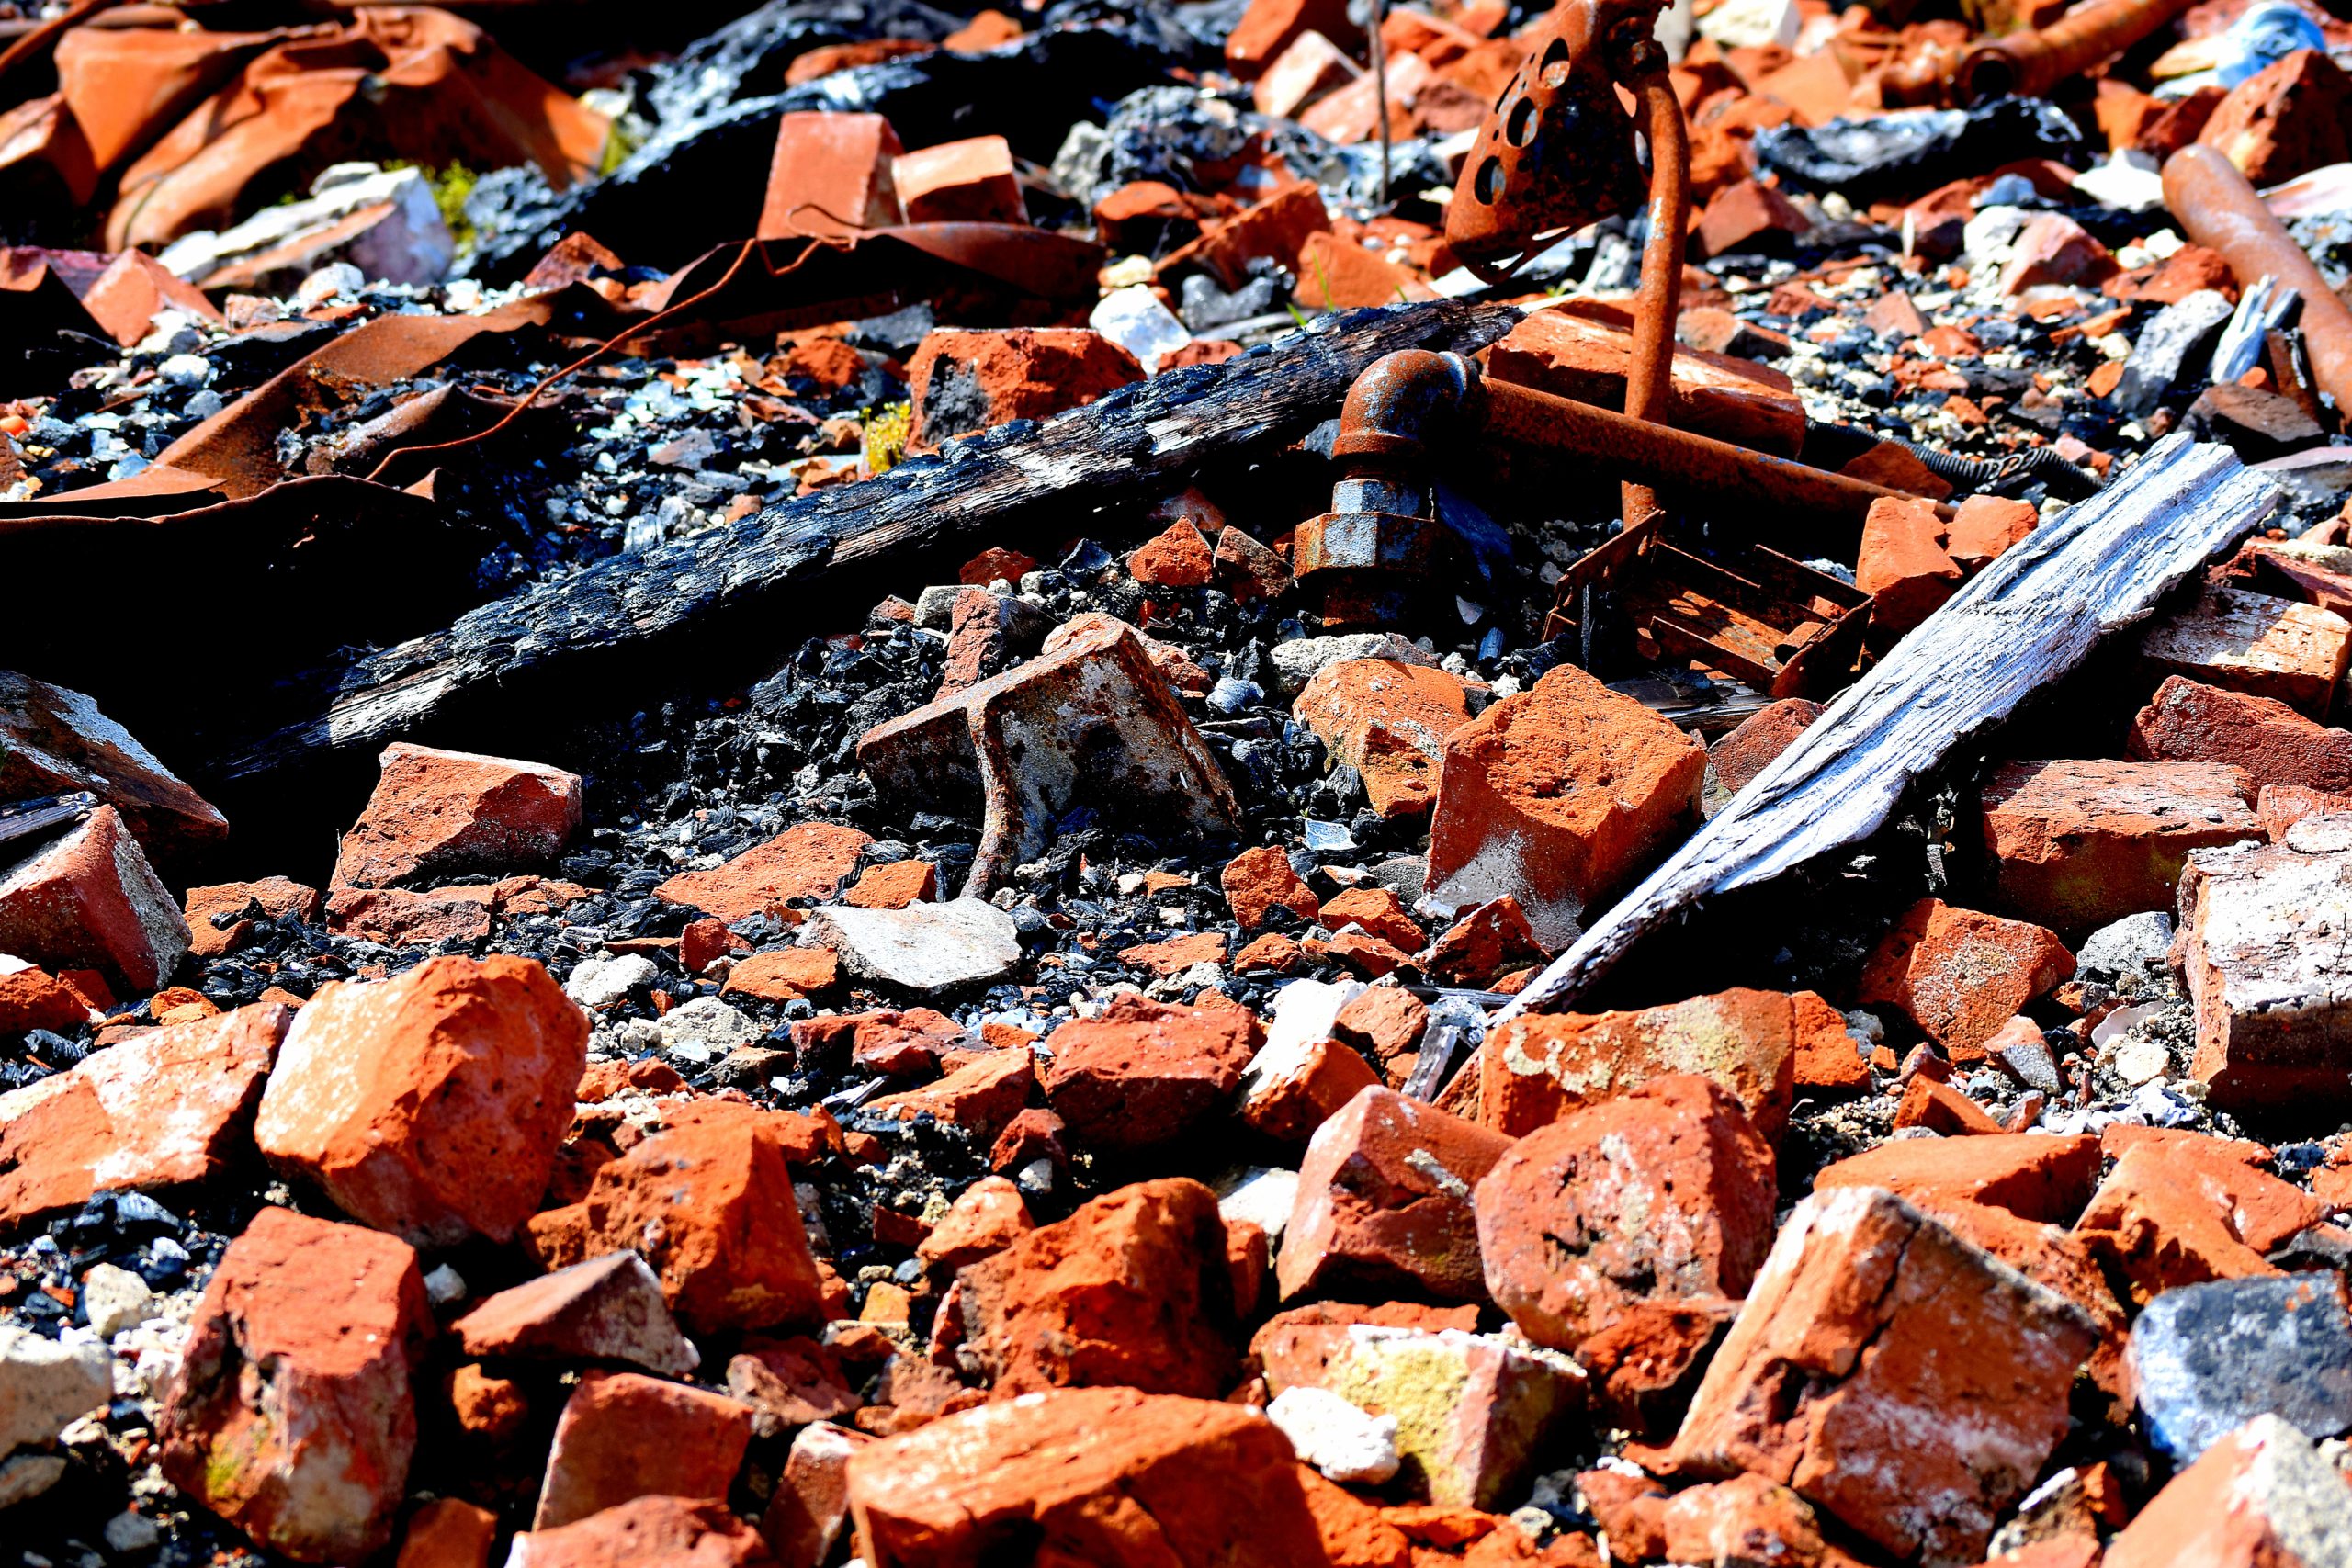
<point x="1399" y="402"/>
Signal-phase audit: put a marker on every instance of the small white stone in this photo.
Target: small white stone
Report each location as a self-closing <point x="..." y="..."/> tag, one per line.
<point x="924" y="947"/>
<point x="444" y="1285"/>
<point x="114" y="1298"/>
<point x="46" y="1384"/>
<point x="2141" y="1061"/>
<point x="1344" y="1441"/>
<point x="600" y="982"/>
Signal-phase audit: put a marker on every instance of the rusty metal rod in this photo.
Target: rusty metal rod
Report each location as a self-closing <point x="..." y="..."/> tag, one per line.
<point x="1671" y="459"/>
<point x="2222" y="212"/>
<point x="2029" y="64"/>
<point x="1650" y="378"/>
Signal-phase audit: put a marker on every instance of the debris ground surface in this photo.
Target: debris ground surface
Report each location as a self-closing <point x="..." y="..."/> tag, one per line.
<point x="1176" y="783"/>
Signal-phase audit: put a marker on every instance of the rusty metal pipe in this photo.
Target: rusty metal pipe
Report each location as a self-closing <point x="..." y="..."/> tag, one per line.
<point x="1671" y="459"/>
<point x="2222" y="212"/>
<point x="2029" y="64"/>
<point x="1658" y="306"/>
<point x="1398" y="400"/>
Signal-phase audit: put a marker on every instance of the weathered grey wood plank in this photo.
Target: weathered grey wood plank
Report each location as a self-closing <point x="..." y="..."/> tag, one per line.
<point x="2024" y="622"/>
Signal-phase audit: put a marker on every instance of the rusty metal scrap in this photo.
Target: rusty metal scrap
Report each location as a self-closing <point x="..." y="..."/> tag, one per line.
<point x="2028" y="63"/>
<point x="2222" y="211"/>
<point x="1092" y="723"/>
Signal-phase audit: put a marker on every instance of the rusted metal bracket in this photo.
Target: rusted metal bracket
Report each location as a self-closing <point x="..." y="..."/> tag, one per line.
<point x="1557" y="153"/>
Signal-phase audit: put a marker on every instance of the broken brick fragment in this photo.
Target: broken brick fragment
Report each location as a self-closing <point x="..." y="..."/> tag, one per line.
<point x="1960" y="975"/>
<point x="1890" y="1374"/>
<point x="1142" y="1072"/>
<point x="708" y="1201"/>
<point x="1176" y="558"/>
<point x="624" y="1435"/>
<point x="1558" y="795"/>
<point x="312" y="1460"/>
<point x="161" y="1109"/>
<point x="1258" y="881"/>
<point x="1134" y="1290"/>
<point x="810" y="860"/>
<point x="90" y="900"/>
<point x="442" y="814"/>
<point x="2080" y="844"/>
<point x="55" y="741"/>
<point x="645" y="1530"/>
<point x="431" y="1105"/>
<point x="2248" y="642"/>
<point x="1657" y="1197"/>
<point x="1384" y="1201"/>
<point x="2260" y="958"/>
<point x="278" y="899"/>
<point x="971" y="181"/>
<point x="1388" y="720"/>
<point x="1107" y="1474"/>
<point x="1489" y="940"/>
<point x="1903" y="565"/>
<point x="829" y="174"/>
<point x="1762" y="736"/>
<point x="2287" y="119"/>
<point x="783" y="974"/>
<point x="1534" y="1069"/>
<point x="2188" y="721"/>
<point x="969" y="379"/>
<point x="2177" y="1214"/>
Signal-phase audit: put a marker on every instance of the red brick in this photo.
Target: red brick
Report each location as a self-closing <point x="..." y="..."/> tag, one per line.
<point x="1558" y="796"/>
<point x="1097" y="1475"/>
<point x="985" y="1219"/>
<point x="55" y="741"/>
<point x="1142" y="1073"/>
<point x="1657" y="1197"/>
<point x="810" y="860"/>
<point x="1536" y="1069"/>
<point x="2078" y="844"/>
<point x="829" y="174"/>
<point x="448" y="1533"/>
<point x="1904" y="564"/>
<point x="2280" y="807"/>
<point x="1985" y="525"/>
<point x="1762" y="736"/>
<point x="1133" y="1290"/>
<point x="969" y="379"/>
<point x="90" y="900"/>
<point x="623" y="1435"/>
<point x="1269" y="26"/>
<point x="2172" y="1215"/>
<point x="1714" y="394"/>
<point x="1276" y="229"/>
<point x="1295" y="1347"/>
<point x="810" y="1506"/>
<point x="1384" y="1201"/>
<point x="1942" y="1108"/>
<point x="1176" y="558"/>
<point x="1287" y="1093"/>
<point x="311" y="1459"/>
<point x="1258" y="881"/>
<point x="2258" y="1498"/>
<point x="1744" y="1519"/>
<point x="1481" y="946"/>
<point x="1386" y="1023"/>
<point x="163" y="1108"/>
<point x="1243" y="567"/>
<point x="969" y="181"/>
<point x="2287" y="119"/>
<point x="436" y="814"/>
<point x="280" y="898"/>
<point x="984" y="1096"/>
<point x="1379" y="912"/>
<point x="644" y="1531"/>
<point x="1890" y="1374"/>
<point x="1960" y="974"/>
<point x="708" y="1201"/>
<point x="431" y="1105"/>
<point x="1473" y="1410"/>
<point x="2254" y="643"/>
<point x="785" y="974"/>
<point x="2186" y="721"/>
<point x="2053" y="248"/>
<point x="608" y="1309"/>
<point x="1336" y="274"/>
<point x="1309" y="66"/>
<point x="2260" y="954"/>
<point x="1388" y="720"/>
<point x="1747" y="216"/>
<point x="996" y="564"/>
<point x="31" y="998"/>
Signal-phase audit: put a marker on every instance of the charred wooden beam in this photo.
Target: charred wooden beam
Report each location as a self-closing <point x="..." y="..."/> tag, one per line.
<point x="553" y="642"/>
